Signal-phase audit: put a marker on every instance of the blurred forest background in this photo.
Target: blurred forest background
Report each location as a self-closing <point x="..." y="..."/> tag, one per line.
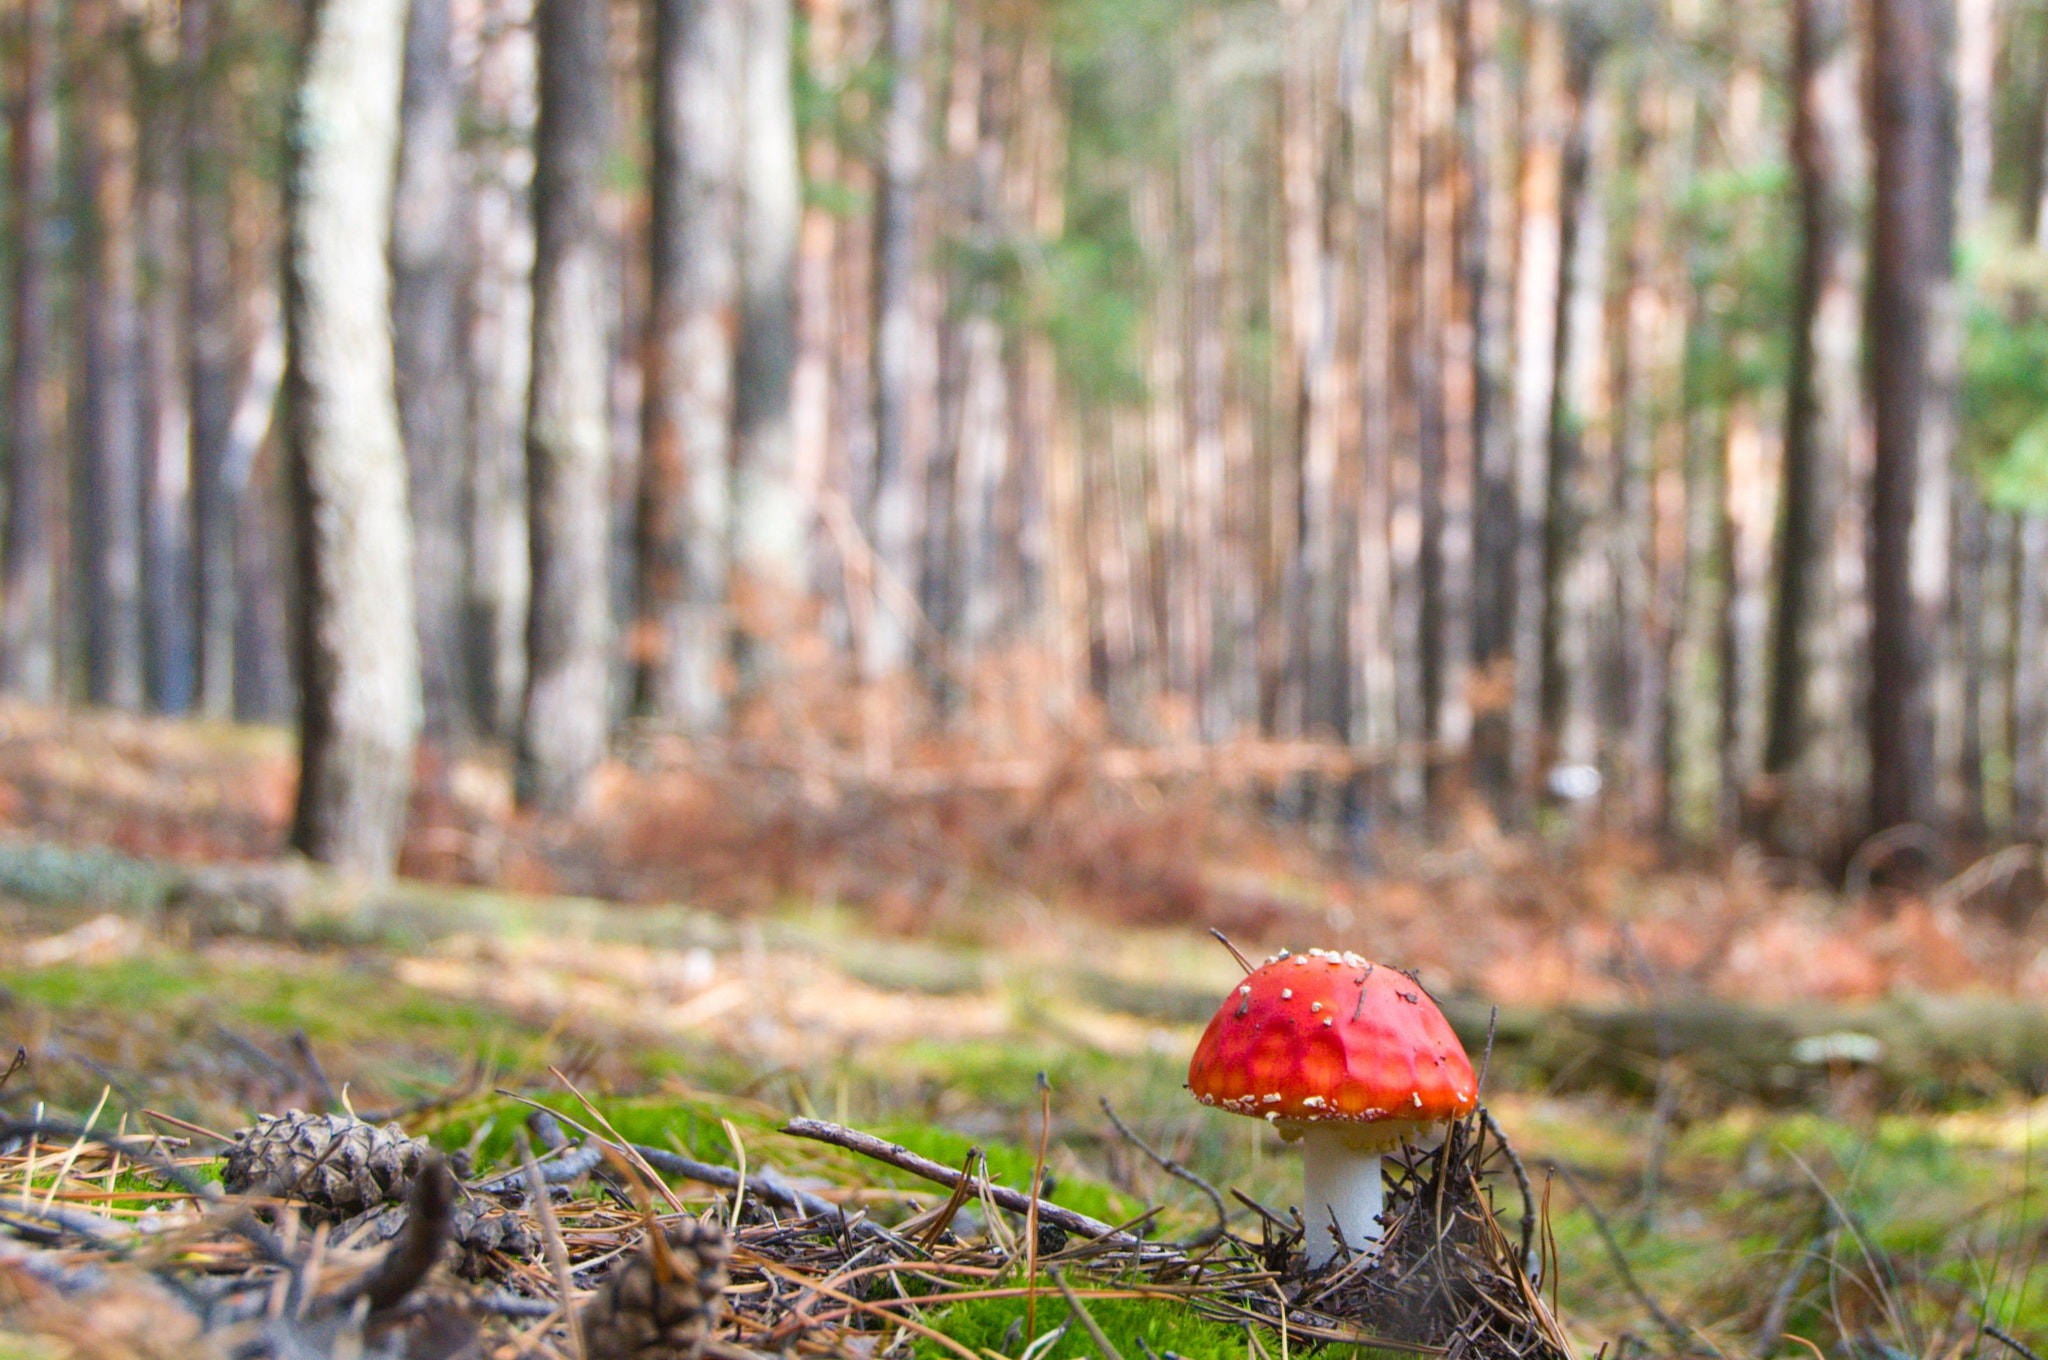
<point x="1406" y="410"/>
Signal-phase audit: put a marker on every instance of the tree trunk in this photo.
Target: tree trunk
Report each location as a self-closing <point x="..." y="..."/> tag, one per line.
<point x="2027" y="692"/>
<point x="1909" y="289"/>
<point x="686" y="447"/>
<point x="209" y="311"/>
<point x="1486" y="268"/>
<point x="499" y="352"/>
<point x="1810" y="710"/>
<point x="358" y="653"/>
<point x="770" y="522"/>
<point x="902" y="395"/>
<point x="1548" y="117"/>
<point x="565" y="716"/>
<point x="170" y="662"/>
<point x="28" y="570"/>
<point x="426" y="320"/>
<point x="1575" y="463"/>
<point x="108" y="510"/>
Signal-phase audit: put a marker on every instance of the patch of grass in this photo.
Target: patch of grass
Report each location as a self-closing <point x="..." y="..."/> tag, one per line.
<point x="1130" y="1324"/>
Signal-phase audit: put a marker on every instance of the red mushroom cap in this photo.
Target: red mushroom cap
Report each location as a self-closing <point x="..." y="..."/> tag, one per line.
<point x="1330" y="1036"/>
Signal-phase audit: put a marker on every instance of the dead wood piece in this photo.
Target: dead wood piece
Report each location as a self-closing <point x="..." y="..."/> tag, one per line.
<point x="903" y="1159"/>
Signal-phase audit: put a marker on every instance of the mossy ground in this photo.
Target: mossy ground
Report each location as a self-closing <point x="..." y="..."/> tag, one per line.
<point x="1877" y="1228"/>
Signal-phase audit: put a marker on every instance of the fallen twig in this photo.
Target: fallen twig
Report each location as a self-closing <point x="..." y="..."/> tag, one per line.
<point x="903" y="1159"/>
<point x="1681" y="1337"/>
<point x="1176" y="1170"/>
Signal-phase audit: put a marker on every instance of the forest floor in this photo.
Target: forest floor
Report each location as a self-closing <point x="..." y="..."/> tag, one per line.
<point x="910" y="963"/>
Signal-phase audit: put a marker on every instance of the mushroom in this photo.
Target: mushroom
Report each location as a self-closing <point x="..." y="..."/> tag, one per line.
<point x="1346" y="1057"/>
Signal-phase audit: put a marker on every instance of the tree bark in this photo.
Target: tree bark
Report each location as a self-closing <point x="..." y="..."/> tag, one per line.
<point x="426" y="320"/>
<point x="2027" y="692"/>
<point x="28" y="569"/>
<point x="210" y="314"/>
<point x="168" y="635"/>
<point x="499" y="352"/>
<point x="902" y="394"/>
<point x="1909" y="286"/>
<point x="1572" y="561"/>
<point x="565" y="715"/>
<point x="771" y="524"/>
<point x="358" y="653"/>
<point x="686" y="447"/>
<point x="108" y="509"/>
<point x="1486" y="268"/>
<point x="1810" y="704"/>
<point x="1548" y="118"/>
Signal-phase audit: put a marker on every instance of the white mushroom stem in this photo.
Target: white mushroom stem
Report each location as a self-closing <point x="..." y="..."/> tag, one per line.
<point x="1341" y="1185"/>
<point x="1341" y="1181"/>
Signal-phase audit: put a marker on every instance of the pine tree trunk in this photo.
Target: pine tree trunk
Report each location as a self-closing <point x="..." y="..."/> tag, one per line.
<point x="901" y="397"/>
<point x="686" y="446"/>
<point x="1373" y="660"/>
<point x="209" y="309"/>
<point x="1909" y="289"/>
<point x="1572" y="566"/>
<point x="108" y="508"/>
<point x="1810" y="711"/>
<point x="770" y="522"/>
<point x="1486" y="269"/>
<point x="358" y="652"/>
<point x="565" y="716"/>
<point x="499" y="354"/>
<point x="28" y="569"/>
<point x="1548" y="119"/>
<point x="426" y="321"/>
<point x="2028" y="689"/>
<point x="170" y="661"/>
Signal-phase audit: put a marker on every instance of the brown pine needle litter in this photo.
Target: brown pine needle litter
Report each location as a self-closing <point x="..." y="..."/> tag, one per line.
<point x="116" y="1247"/>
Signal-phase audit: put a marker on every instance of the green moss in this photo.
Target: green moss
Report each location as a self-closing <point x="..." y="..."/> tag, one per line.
<point x="1162" y="1324"/>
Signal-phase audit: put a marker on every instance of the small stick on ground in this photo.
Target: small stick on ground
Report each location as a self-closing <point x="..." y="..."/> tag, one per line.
<point x="1031" y="1214"/>
<point x="1529" y="1262"/>
<point x="1999" y="1334"/>
<point x="428" y="1211"/>
<point x="903" y="1159"/>
<point x="1179" y="1172"/>
<point x="551" y="1234"/>
<point x="323" y="1089"/>
<point x="1681" y="1338"/>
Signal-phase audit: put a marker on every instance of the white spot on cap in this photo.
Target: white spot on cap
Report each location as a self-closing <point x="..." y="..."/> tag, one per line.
<point x="1287" y="994"/>
<point x="1314" y="1006"/>
<point x="1273" y="1098"/>
<point x="1416" y="1096"/>
<point x="1329" y="1020"/>
<point x="1245" y="990"/>
<point x="1301" y="958"/>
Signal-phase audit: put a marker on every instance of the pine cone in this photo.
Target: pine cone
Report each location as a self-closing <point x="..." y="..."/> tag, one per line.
<point x="660" y="1303"/>
<point x="478" y="1225"/>
<point x="335" y="1163"/>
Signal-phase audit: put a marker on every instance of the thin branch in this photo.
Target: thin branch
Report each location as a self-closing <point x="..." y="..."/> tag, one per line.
<point x="557" y="1248"/>
<point x="1999" y="1334"/>
<point x="1175" y="1169"/>
<point x="1224" y="940"/>
<point x="903" y="1159"/>
<point x="1681" y="1338"/>
<point x="1530" y="1265"/>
